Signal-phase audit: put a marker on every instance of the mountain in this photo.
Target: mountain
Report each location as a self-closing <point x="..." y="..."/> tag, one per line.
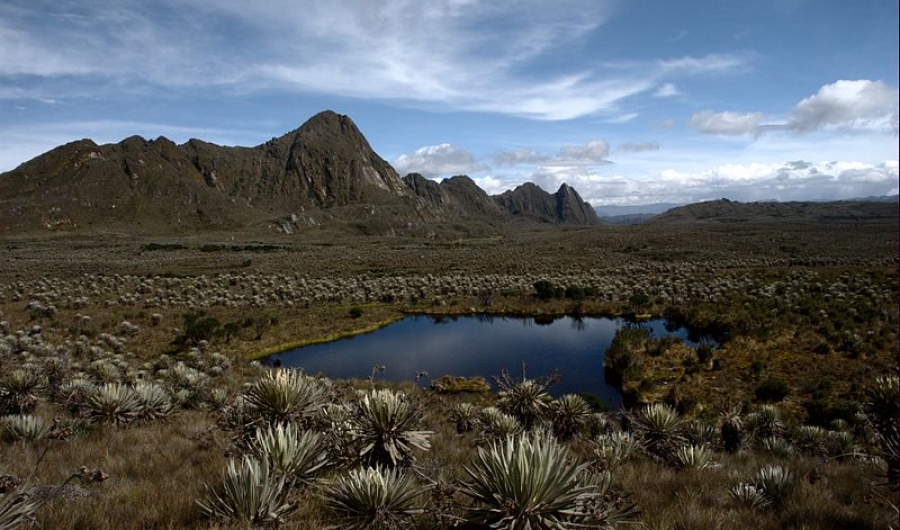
<point x="726" y="211"/>
<point x="324" y="173"/>
<point x="564" y="206"/>
<point x="613" y="210"/>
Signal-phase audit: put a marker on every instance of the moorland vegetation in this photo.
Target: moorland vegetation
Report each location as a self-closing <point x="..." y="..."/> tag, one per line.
<point x="130" y="397"/>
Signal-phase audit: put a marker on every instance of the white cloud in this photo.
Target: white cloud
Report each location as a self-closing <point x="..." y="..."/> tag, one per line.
<point x="784" y="181"/>
<point x="436" y="160"/>
<point x="859" y="104"/>
<point x="667" y="90"/>
<point x="725" y="123"/>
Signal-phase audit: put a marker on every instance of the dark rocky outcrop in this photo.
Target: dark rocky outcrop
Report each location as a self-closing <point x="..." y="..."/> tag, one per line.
<point x="564" y="206"/>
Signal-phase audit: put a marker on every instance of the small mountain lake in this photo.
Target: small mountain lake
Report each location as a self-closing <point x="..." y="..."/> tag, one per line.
<point x="478" y="345"/>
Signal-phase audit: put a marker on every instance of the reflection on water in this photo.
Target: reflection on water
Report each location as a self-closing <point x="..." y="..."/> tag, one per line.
<point x="477" y="345"/>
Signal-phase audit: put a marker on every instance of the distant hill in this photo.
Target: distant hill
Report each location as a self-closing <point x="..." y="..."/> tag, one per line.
<point x="726" y="211"/>
<point x="323" y="174"/>
<point x="615" y="210"/>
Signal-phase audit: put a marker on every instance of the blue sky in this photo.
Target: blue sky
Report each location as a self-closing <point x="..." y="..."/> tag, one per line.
<point x="630" y="102"/>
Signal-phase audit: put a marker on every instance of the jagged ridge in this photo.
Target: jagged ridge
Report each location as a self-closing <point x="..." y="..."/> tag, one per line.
<point x="325" y="166"/>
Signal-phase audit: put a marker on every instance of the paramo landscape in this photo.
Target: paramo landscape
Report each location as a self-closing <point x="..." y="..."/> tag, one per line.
<point x="147" y="283"/>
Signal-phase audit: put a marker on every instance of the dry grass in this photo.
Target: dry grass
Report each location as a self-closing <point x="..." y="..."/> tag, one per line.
<point x="836" y="319"/>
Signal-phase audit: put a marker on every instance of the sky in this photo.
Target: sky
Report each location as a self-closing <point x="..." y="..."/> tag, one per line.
<point x="629" y="102"/>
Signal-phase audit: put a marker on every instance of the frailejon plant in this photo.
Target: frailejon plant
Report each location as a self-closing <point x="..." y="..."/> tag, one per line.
<point x="570" y="414"/>
<point x="694" y="457"/>
<point x="154" y="401"/>
<point x="373" y="498"/>
<point x="528" y="401"/>
<point x="464" y="416"/>
<point x="295" y="456"/>
<point x="385" y="427"/>
<point x="284" y="395"/>
<point x="497" y="425"/>
<point x="883" y="410"/>
<point x="16" y="510"/>
<point x="750" y="495"/>
<point x="113" y="403"/>
<point x="19" y="392"/>
<point x="732" y="430"/>
<point x="660" y="427"/>
<point x="776" y="483"/>
<point x="23" y="427"/>
<point x="612" y="450"/>
<point x="527" y="482"/>
<point x="249" y="493"/>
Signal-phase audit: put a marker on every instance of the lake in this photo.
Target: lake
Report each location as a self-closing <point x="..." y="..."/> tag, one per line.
<point x="478" y="345"/>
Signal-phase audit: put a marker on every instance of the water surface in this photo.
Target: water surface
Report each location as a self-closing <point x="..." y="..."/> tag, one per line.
<point x="477" y="345"/>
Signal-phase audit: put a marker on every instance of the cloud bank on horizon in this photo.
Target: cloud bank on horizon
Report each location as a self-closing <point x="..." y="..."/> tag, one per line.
<point x="630" y="103"/>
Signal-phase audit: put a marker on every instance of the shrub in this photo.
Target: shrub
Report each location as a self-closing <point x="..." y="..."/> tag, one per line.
<point x="249" y="493"/>
<point x="772" y="390"/>
<point x="621" y="360"/>
<point x="384" y="425"/>
<point x="546" y="290"/>
<point x="373" y="498"/>
<point x="355" y="312"/>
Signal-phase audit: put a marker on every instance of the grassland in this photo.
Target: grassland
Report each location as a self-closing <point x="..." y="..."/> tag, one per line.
<point x="806" y="315"/>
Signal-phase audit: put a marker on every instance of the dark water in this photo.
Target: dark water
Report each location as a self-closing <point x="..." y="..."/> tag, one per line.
<point x="469" y="346"/>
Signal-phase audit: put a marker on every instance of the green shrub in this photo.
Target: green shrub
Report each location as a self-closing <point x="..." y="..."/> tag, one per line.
<point x="772" y="390"/>
<point x="545" y="290"/>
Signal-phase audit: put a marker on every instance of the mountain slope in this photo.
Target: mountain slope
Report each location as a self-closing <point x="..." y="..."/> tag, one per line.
<point x="323" y="172"/>
<point x="726" y="211"/>
<point x="564" y="206"/>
